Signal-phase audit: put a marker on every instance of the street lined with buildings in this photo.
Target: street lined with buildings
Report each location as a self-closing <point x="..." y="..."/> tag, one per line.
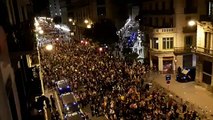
<point x="168" y="37"/>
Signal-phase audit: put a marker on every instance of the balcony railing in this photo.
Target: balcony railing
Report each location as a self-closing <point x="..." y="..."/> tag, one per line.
<point x="157" y="51"/>
<point x="205" y="51"/>
<point x="183" y="50"/>
<point x="164" y="30"/>
<point x="206" y="18"/>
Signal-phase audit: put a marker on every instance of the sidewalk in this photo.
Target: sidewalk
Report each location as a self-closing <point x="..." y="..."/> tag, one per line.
<point x="200" y="98"/>
<point x="57" y="102"/>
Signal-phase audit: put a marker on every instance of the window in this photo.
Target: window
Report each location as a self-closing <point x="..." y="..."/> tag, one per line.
<point x="156" y="6"/>
<point x="156" y="22"/>
<point x="168" y="43"/>
<point x="150" y="21"/>
<point x="171" y="22"/>
<point x="155" y="43"/>
<point x="190" y="6"/>
<point x="188" y="3"/>
<point x="163" y="5"/>
<point x="188" y="40"/>
<point x="210" y="11"/>
<point x="150" y="6"/>
<point x="140" y="51"/>
<point x="207" y="72"/>
<point x="101" y="11"/>
<point x="100" y="2"/>
<point x="163" y="21"/>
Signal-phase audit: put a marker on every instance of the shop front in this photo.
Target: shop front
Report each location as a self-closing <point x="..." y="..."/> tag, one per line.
<point x="167" y="65"/>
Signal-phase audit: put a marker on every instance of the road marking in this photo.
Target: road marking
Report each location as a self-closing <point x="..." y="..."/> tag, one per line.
<point x="58" y="104"/>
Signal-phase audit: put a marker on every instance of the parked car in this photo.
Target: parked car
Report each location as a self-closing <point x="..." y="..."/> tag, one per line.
<point x="186" y="75"/>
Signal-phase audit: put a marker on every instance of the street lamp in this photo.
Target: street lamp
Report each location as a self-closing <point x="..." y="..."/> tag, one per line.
<point x="86" y="21"/>
<point x="192" y="23"/>
<point x="49" y="47"/>
<point x="72" y="33"/>
<point x="100" y="49"/>
<point x="70" y="20"/>
<point x="89" y="26"/>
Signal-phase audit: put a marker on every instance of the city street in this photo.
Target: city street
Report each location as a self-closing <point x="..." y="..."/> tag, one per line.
<point x="108" y="85"/>
<point x="197" y="96"/>
<point x="59" y="107"/>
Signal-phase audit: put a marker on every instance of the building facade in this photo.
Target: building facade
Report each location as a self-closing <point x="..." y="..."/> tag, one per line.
<point x="64" y="14"/>
<point x="204" y="52"/>
<point x="93" y="10"/>
<point x="9" y="101"/>
<point x="54" y="7"/>
<point x="16" y="42"/>
<point x="171" y="37"/>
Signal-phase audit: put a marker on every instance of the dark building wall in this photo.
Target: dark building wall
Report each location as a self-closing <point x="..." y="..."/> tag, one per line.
<point x="17" y="21"/>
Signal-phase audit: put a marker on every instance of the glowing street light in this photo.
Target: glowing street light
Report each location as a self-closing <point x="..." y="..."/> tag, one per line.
<point x="73" y="23"/>
<point x="49" y="47"/>
<point x="100" y="49"/>
<point x="72" y="33"/>
<point x="88" y="26"/>
<point x="86" y="21"/>
<point x="70" y="20"/>
<point x="41" y="32"/>
<point x="192" y="23"/>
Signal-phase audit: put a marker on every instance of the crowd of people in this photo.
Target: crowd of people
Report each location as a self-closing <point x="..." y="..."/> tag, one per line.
<point x="111" y="86"/>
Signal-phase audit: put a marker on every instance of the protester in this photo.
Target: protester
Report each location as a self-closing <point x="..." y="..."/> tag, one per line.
<point x="112" y="87"/>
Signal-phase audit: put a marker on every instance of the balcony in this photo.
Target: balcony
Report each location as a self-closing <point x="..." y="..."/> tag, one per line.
<point x="206" y="18"/>
<point x="204" y="51"/>
<point x="164" y="30"/>
<point x="182" y="50"/>
<point x="189" y="29"/>
<point x="157" y="51"/>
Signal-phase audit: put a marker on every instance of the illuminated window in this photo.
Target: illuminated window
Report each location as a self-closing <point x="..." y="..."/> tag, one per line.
<point x="155" y="43"/>
<point x="168" y="43"/>
<point x="210" y="12"/>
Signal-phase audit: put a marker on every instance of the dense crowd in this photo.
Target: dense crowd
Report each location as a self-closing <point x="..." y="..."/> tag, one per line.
<point x="111" y="86"/>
